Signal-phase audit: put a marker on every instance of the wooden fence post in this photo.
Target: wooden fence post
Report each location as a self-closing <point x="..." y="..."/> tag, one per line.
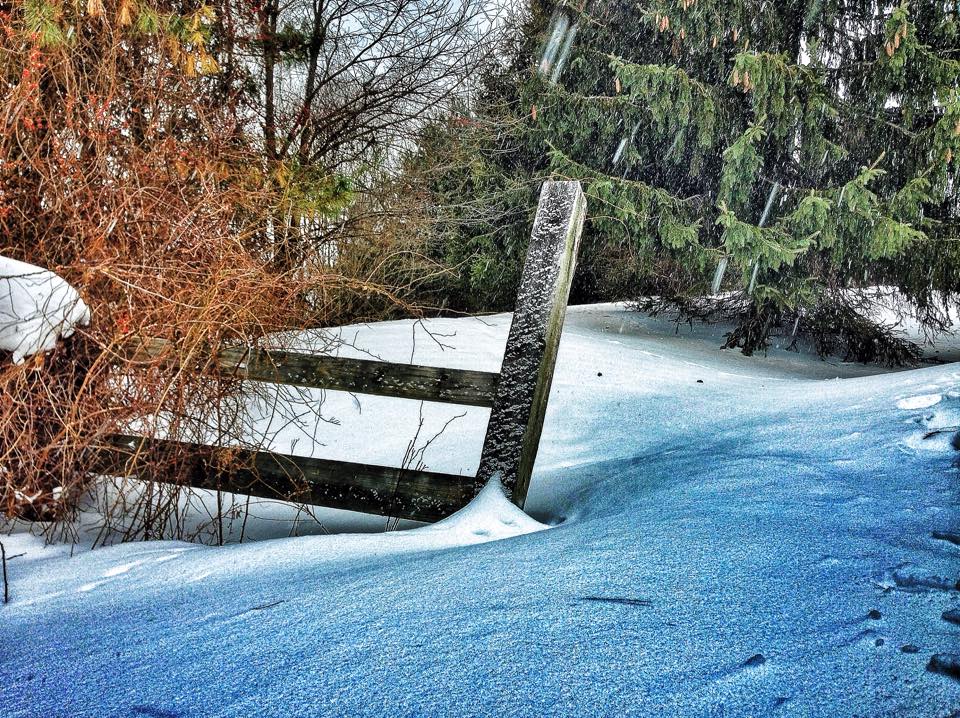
<point x="520" y="402"/>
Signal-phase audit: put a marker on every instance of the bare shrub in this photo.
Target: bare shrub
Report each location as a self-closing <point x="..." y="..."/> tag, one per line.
<point x="123" y="171"/>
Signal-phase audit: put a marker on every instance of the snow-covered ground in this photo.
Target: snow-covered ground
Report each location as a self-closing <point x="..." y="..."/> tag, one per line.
<point x="729" y="536"/>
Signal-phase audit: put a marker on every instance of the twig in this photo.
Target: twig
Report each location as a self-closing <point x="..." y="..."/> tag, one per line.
<point x="3" y="560"/>
<point x="944" y="430"/>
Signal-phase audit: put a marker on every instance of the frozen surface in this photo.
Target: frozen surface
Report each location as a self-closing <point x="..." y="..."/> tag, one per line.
<point x="37" y="307"/>
<point x="730" y="536"/>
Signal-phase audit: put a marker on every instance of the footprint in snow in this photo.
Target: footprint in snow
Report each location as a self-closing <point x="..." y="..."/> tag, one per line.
<point x="937" y="430"/>
<point x="951" y="615"/>
<point x="755" y="665"/>
<point x="947" y="664"/>
<point x="948" y="536"/>
<point x="908" y="579"/>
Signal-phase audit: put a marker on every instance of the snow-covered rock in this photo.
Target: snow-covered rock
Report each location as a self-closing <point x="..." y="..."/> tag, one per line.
<point x="37" y="307"/>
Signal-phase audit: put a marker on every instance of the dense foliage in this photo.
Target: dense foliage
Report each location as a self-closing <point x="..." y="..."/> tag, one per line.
<point x="783" y="154"/>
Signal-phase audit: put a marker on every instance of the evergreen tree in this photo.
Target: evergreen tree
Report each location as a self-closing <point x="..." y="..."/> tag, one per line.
<point x="785" y="154"/>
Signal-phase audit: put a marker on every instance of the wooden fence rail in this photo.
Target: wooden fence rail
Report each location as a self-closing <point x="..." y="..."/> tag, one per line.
<point x="517" y="396"/>
<point x="360" y="376"/>
<point x="386" y="490"/>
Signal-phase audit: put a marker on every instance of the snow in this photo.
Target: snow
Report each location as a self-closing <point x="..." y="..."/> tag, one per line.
<point x="37" y="307"/>
<point x="919" y="402"/>
<point x="767" y="542"/>
<point x="491" y="516"/>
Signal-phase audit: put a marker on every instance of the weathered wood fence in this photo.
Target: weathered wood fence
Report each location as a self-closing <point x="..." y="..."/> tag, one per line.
<point x="517" y="397"/>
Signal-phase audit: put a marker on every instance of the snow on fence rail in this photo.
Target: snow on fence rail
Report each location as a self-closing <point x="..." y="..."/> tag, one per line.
<point x="517" y="396"/>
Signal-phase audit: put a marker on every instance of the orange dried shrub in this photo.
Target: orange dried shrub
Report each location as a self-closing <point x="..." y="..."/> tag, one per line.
<point x="125" y="169"/>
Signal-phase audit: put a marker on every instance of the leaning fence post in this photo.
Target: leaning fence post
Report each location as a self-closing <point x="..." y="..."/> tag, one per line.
<point x="520" y="402"/>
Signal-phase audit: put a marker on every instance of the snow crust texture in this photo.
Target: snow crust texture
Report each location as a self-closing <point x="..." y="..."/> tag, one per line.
<point x="730" y="536"/>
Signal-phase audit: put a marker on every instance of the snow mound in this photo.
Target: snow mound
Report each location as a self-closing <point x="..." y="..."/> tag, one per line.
<point x="919" y="402"/>
<point x="37" y="307"/>
<point x="490" y="516"/>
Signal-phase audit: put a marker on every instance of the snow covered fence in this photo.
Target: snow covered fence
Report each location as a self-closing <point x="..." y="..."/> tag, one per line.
<point x="517" y="396"/>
